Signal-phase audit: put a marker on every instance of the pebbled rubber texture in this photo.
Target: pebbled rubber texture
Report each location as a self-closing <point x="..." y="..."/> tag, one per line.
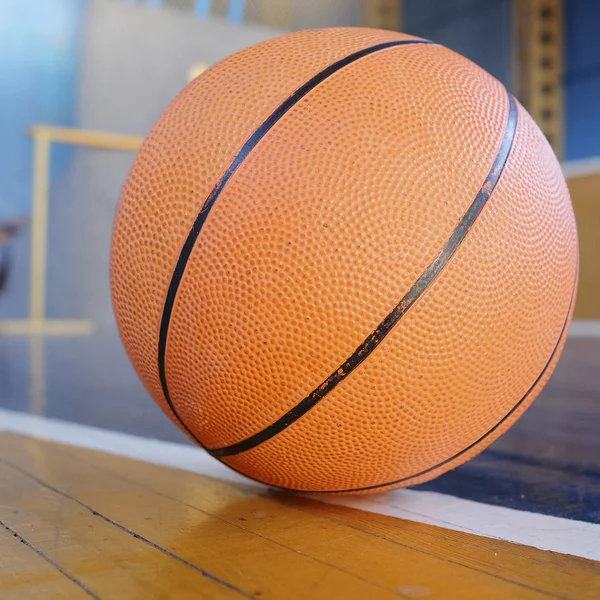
<point x="216" y="192"/>
<point x="322" y="229"/>
<point x="371" y="343"/>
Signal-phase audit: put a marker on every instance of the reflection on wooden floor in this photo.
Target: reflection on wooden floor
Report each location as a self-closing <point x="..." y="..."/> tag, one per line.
<point x="80" y="523"/>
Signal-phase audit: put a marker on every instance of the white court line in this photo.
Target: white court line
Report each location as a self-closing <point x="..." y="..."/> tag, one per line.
<point x="530" y="529"/>
<point x="581" y="168"/>
<point x="584" y="328"/>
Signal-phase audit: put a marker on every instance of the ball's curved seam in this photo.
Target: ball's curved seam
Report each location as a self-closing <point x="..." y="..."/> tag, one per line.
<point x="248" y="146"/>
<point x="485" y="435"/>
<point x="416" y="291"/>
<point x="396" y="482"/>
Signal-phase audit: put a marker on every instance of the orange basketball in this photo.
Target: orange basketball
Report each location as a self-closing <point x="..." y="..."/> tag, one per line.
<point x="344" y="260"/>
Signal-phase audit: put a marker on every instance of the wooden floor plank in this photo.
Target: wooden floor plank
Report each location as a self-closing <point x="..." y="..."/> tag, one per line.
<point x="552" y="573"/>
<point x="183" y="502"/>
<point x="560" y="575"/>
<point x="108" y="561"/>
<point x="26" y="573"/>
<point x="257" y="565"/>
<point x="555" y="574"/>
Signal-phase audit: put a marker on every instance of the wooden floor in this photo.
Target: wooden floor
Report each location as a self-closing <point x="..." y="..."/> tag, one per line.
<point x="79" y="523"/>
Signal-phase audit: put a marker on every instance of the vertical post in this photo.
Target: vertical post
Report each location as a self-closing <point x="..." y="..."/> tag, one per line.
<point x="39" y="224"/>
<point x="383" y="14"/>
<point x="235" y="12"/>
<point x="539" y="65"/>
<point x="202" y="8"/>
<point x="276" y="13"/>
<point x="37" y="375"/>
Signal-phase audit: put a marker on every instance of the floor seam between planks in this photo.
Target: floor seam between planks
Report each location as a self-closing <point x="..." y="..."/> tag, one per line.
<point x="446" y="559"/>
<point x="50" y="561"/>
<point x="236" y="525"/>
<point x="299" y="509"/>
<point x="129" y="531"/>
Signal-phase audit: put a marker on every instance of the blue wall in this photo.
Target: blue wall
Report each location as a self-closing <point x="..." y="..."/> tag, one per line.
<point x="582" y="78"/>
<point x="39" y="47"/>
<point x="481" y="30"/>
<point x="477" y="29"/>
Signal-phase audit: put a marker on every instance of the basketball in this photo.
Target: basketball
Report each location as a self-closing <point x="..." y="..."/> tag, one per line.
<point x="344" y="261"/>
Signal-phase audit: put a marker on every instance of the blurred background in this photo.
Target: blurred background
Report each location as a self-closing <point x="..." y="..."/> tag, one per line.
<point x="84" y="80"/>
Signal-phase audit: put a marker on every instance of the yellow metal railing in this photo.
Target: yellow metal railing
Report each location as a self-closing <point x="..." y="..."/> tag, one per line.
<point x="383" y="14"/>
<point x="43" y="138"/>
<point x="538" y="51"/>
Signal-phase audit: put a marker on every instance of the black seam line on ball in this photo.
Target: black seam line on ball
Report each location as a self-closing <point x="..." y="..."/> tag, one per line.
<point x="188" y="246"/>
<point x="441" y="464"/>
<point x="415" y="292"/>
<point x="489" y="432"/>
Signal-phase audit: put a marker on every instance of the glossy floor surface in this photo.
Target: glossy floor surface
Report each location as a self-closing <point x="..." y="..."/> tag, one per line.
<point x="75" y="523"/>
